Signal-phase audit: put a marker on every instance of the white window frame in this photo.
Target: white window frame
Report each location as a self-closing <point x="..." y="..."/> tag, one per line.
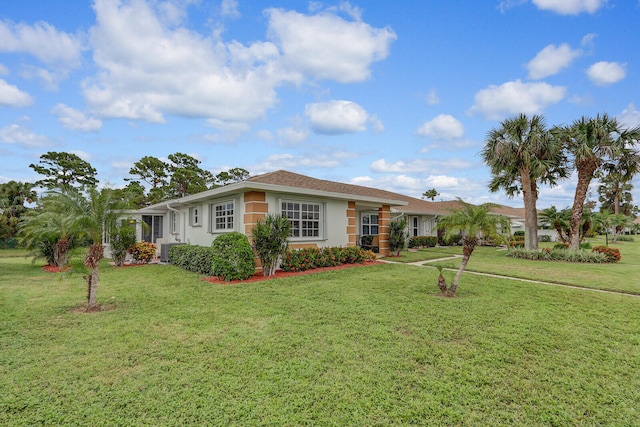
<point x="290" y="207"/>
<point x="174" y="222"/>
<point x="369" y="224"/>
<point x="213" y="216"/>
<point x="415" y="226"/>
<point x="195" y="216"/>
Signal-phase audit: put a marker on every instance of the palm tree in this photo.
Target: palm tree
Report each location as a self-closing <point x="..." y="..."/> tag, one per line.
<point x="593" y="143"/>
<point x="473" y="222"/>
<point x="602" y="221"/>
<point x="94" y="215"/>
<point x="559" y="220"/>
<point x="620" y="222"/>
<point x="521" y="154"/>
<point x="615" y="177"/>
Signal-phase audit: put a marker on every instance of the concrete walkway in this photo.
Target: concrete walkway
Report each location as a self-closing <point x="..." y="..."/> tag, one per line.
<point x="499" y="276"/>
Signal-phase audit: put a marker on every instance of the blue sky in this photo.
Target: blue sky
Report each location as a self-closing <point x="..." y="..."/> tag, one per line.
<point x="397" y="95"/>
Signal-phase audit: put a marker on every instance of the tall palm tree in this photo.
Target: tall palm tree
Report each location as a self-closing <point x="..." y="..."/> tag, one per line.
<point x="592" y="144"/>
<point x="473" y="222"/>
<point x="94" y="214"/>
<point x="617" y="175"/>
<point x="522" y="153"/>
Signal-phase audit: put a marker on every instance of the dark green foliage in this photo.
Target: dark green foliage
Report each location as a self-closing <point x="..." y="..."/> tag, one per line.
<point x="519" y="233"/>
<point x="198" y="259"/>
<point x="561" y="246"/>
<point x="121" y="239"/>
<point x="233" y="257"/>
<point x="64" y="170"/>
<point x="451" y="240"/>
<point x="310" y="258"/>
<point x="423" y="241"/>
<point x="397" y="235"/>
<point x="270" y="241"/>
<point x="563" y="254"/>
<point x="9" y="243"/>
<point x="545" y="238"/>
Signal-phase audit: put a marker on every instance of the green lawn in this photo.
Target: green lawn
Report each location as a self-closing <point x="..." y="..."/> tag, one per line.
<point x="364" y="346"/>
<point x="623" y="276"/>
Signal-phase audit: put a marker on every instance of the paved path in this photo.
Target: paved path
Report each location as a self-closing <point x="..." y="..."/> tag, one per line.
<point x="498" y="276"/>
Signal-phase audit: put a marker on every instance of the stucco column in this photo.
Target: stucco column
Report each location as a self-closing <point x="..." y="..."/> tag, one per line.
<point x="384" y="220"/>
<point x="351" y="224"/>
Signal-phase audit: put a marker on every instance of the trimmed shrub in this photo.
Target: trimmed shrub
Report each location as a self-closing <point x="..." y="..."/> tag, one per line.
<point x="194" y="258"/>
<point x="310" y="258"/>
<point x="423" y="241"/>
<point x="585" y="245"/>
<point x="143" y="252"/>
<point x="612" y="254"/>
<point x="546" y="254"/>
<point x="624" y="238"/>
<point x="233" y="257"/>
<point x="545" y="238"/>
<point x="452" y="240"/>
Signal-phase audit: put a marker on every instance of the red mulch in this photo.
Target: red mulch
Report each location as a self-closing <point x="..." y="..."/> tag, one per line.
<point x="55" y="269"/>
<point x="258" y="277"/>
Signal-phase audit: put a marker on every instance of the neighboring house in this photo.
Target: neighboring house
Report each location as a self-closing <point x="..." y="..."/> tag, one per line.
<point x="322" y="213"/>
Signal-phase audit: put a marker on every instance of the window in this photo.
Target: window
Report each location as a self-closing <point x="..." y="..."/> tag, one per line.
<point x="414" y="228"/>
<point x="222" y="215"/>
<point x="369" y="223"/>
<point x="173" y="222"/>
<point x="304" y="217"/>
<point x="152" y="231"/>
<point x="194" y="216"/>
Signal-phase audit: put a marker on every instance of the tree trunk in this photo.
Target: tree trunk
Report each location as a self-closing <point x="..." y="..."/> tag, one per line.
<point x="585" y="174"/>
<point x="442" y="284"/>
<point x="467" y="250"/>
<point x="530" y="195"/>
<point x="92" y="261"/>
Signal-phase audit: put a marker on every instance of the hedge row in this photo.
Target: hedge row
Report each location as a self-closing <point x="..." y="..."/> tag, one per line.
<point x="423" y="241"/>
<point x="198" y="259"/>
<point x="310" y="258"/>
<point x="546" y="254"/>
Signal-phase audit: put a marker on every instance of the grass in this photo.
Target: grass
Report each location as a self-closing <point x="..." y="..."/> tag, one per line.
<point x="620" y="277"/>
<point x="364" y="346"/>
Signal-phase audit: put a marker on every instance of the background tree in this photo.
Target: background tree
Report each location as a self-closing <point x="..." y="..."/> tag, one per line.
<point x="231" y="176"/>
<point x="155" y="173"/>
<point x="473" y="222"/>
<point x="522" y="153"/>
<point x="13" y="196"/>
<point x="431" y="194"/>
<point x="187" y="177"/>
<point x="615" y="183"/>
<point x="593" y="143"/>
<point x="559" y="220"/>
<point x="64" y="170"/>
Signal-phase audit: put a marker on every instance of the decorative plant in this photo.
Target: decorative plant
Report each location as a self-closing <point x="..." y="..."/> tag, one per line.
<point x="143" y="252"/>
<point x="270" y="241"/>
<point x="397" y="235"/>
<point x="121" y="239"/>
<point x="233" y="257"/>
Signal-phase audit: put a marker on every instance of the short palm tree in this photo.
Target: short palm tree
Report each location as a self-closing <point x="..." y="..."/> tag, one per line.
<point x="593" y="143"/>
<point x="559" y="220"/>
<point x="473" y="222"/>
<point x="94" y="215"/>
<point x="269" y="241"/>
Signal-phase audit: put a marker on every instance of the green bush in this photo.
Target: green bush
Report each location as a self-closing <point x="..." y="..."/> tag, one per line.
<point x="518" y="233"/>
<point x="561" y="246"/>
<point x="423" y="241"/>
<point x="612" y="254"/>
<point x="546" y="254"/>
<point x="270" y="241"/>
<point x="194" y="258"/>
<point x="120" y="240"/>
<point x="585" y="245"/>
<point x="545" y="238"/>
<point x="397" y="235"/>
<point x="310" y="258"/>
<point x="516" y="242"/>
<point x="624" y="238"/>
<point x="452" y="240"/>
<point x="12" y="243"/>
<point x="143" y="252"/>
<point x="233" y="257"/>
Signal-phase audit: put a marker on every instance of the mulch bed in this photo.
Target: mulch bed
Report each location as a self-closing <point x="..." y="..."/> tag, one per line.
<point x="258" y="277"/>
<point x="55" y="269"/>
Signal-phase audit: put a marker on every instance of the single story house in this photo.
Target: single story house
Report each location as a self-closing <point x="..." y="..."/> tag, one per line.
<point x="322" y="213"/>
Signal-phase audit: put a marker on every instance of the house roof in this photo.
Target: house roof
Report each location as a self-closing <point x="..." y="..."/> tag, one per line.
<point x="290" y="182"/>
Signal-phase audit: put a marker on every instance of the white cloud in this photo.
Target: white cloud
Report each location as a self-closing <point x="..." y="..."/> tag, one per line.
<point x="319" y="159"/>
<point x="604" y="73"/>
<point x="82" y="154"/>
<point x="551" y="60"/>
<point x="442" y="127"/>
<point x="423" y="166"/>
<point x="327" y="46"/>
<point x="570" y="7"/>
<point x="432" y="97"/>
<point x="16" y="134"/>
<point x="335" y="117"/>
<point x="11" y="96"/>
<point x="265" y="135"/>
<point x="229" y="8"/>
<point x="516" y="97"/>
<point x="291" y="136"/>
<point x="401" y="183"/>
<point x="43" y="41"/>
<point x="630" y="117"/>
<point x="73" y="119"/>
